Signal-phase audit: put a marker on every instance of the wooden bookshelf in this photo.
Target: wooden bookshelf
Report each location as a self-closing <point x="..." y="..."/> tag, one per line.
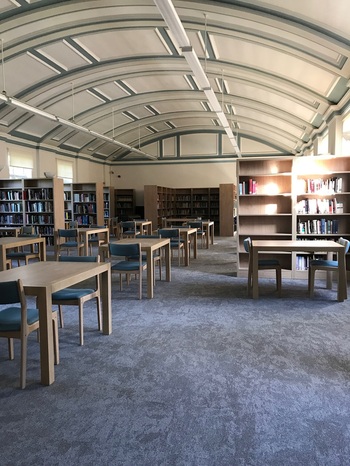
<point x="124" y="203"/>
<point x="293" y="198"/>
<point x="88" y="203"/>
<point x="160" y="202"/>
<point x="108" y="204"/>
<point x="11" y="203"/>
<point x="227" y="197"/>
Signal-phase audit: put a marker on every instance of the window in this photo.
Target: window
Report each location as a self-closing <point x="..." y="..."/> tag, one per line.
<point x="20" y="165"/>
<point x="65" y="171"/>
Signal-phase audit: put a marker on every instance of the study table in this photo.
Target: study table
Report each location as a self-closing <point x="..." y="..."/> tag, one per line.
<point x="9" y="231"/>
<point x="85" y="233"/>
<point x="186" y="234"/>
<point x="208" y="226"/>
<point x="10" y="242"/>
<point x="259" y="246"/>
<point x="41" y="279"/>
<point x="145" y="226"/>
<point x="149" y="246"/>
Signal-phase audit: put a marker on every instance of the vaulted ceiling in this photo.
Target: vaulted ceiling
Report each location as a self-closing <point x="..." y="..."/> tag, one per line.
<point x="280" y="70"/>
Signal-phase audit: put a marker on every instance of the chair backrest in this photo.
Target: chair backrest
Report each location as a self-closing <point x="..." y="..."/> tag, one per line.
<point x="68" y="233"/>
<point x="128" y="225"/>
<point x="169" y="233"/>
<point x="73" y="224"/>
<point x="79" y="258"/>
<point x="27" y="230"/>
<point x="346" y="243"/>
<point x="12" y="292"/>
<point x="125" y="249"/>
<point x="247" y="244"/>
<point x="197" y="224"/>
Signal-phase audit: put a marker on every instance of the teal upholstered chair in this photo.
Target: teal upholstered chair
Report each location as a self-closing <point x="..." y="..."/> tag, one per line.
<point x="124" y="266"/>
<point x="78" y="296"/>
<point x="18" y="321"/>
<point x="94" y="240"/>
<point x="323" y="264"/>
<point x="128" y="229"/>
<point x="263" y="264"/>
<point x="157" y="258"/>
<point x="176" y="244"/>
<point x="67" y="239"/>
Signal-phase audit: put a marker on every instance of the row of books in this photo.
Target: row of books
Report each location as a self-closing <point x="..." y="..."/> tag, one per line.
<point x="38" y="193"/>
<point x="85" y="209"/>
<point x="320" y="206"/>
<point x="10" y="195"/>
<point x="320" y="185"/>
<point x="11" y="219"/>
<point x="39" y="206"/>
<point x="39" y="219"/>
<point x="318" y="227"/>
<point x="248" y="187"/>
<point x="11" y="207"/>
<point x="83" y="197"/>
<point x="85" y="219"/>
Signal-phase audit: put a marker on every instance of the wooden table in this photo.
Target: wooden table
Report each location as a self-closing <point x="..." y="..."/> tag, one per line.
<point x="208" y="226"/>
<point x="149" y="246"/>
<point x="299" y="246"/>
<point x="186" y="233"/>
<point x="86" y="232"/>
<point x="41" y="279"/>
<point x="145" y="226"/>
<point x="10" y="242"/>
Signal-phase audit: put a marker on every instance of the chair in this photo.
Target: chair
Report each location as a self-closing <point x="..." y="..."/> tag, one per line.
<point x="200" y="230"/>
<point x="114" y="227"/>
<point x="18" y="321"/>
<point x="175" y="241"/>
<point x="128" y="229"/>
<point x="67" y="239"/>
<point x="127" y="267"/>
<point x="94" y="240"/>
<point x="263" y="264"/>
<point x="21" y="253"/>
<point x="323" y="264"/>
<point x="78" y="296"/>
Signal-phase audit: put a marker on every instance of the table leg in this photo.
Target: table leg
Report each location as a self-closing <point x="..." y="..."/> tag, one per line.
<point x="167" y="262"/>
<point x="42" y="249"/>
<point x="47" y="367"/>
<point x="195" y="246"/>
<point x="2" y="257"/>
<point x="342" y="285"/>
<point x="255" y="276"/>
<point x="150" y="274"/>
<point x="105" y="282"/>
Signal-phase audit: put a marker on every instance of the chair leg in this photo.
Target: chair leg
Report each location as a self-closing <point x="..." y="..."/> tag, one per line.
<point x="279" y="281"/>
<point x="311" y="281"/>
<point x="140" y="285"/>
<point x="98" y="305"/>
<point x="11" y="350"/>
<point x="55" y="337"/>
<point x="60" y="310"/>
<point x="23" y="363"/>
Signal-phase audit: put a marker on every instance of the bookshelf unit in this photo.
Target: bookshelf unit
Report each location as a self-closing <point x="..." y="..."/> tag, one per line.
<point x="162" y="202"/>
<point x="11" y="203"/>
<point x="322" y="202"/>
<point x="124" y="203"/>
<point x="88" y="203"/>
<point x="227" y="198"/>
<point x="68" y="204"/>
<point x="108" y="204"/>
<point x="297" y="198"/>
<point x="265" y="209"/>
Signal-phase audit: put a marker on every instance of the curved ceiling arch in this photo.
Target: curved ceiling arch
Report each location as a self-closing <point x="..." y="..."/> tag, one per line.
<point x="277" y="70"/>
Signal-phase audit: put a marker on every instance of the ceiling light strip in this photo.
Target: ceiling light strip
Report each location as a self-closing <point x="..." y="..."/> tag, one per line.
<point x="170" y="16"/>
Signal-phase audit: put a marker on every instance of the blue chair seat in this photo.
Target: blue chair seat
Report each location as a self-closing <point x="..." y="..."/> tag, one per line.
<point x="127" y="266"/>
<point x="10" y="318"/>
<point x="324" y="263"/>
<point x="71" y="293"/>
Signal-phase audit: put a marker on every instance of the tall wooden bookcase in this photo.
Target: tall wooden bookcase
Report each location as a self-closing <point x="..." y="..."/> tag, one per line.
<point x="292" y="198"/>
<point x="37" y="202"/>
<point x="205" y="203"/>
<point x="108" y="204"/>
<point x="124" y="203"/>
<point x="88" y="207"/>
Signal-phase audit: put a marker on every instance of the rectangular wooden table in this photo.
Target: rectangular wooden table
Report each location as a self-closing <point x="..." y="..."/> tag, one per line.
<point x="145" y="226"/>
<point x="9" y="242"/>
<point x="9" y="231"/>
<point x="329" y="247"/>
<point x="186" y="234"/>
<point x="41" y="279"/>
<point x="149" y="246"/>
<point x="208" y="226"/>
<point x="86" y="232"/>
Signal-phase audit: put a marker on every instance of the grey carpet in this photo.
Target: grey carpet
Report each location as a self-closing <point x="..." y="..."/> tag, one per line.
<point x="200" y="375"/>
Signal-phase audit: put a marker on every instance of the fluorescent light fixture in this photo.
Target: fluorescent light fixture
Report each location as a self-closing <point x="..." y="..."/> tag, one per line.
<point x="173" y="22"/>
<point x="170" y="16"/>
<point x="29" y="108"/>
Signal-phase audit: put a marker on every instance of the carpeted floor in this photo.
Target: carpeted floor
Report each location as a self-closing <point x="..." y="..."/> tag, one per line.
<point x="199" y="376"/>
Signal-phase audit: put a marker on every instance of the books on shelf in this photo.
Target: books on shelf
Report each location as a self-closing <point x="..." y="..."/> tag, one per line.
<point x="248" y="187"/>
<point x="320" y="226"/>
